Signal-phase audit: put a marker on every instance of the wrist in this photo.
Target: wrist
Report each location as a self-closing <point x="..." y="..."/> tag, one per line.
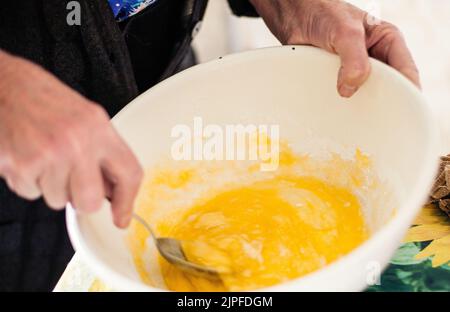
<point x="265" y="6"/>
<point x="271" y="11"/>
<point x="6" y="69"/>
<point x="5" y="62"/>
<point x="284" y="18"/>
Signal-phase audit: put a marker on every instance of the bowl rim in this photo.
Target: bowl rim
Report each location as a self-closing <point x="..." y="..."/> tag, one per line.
<point x="405" y="212"/>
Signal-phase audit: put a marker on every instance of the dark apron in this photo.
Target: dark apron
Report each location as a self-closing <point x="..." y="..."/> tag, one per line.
<point x="155" y="39"/>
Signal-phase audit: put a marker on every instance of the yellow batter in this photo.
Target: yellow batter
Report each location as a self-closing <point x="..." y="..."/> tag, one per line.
<point x="264" y="231"/>
<point x="267" y="233"/>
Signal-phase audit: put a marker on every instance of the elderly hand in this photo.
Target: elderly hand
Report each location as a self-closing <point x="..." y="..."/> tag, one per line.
<point x="57" y="144"/>
<point x="343" y="29"/>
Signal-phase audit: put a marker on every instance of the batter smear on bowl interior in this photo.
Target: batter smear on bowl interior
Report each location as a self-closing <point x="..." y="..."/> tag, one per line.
<point x="265" y="232"/>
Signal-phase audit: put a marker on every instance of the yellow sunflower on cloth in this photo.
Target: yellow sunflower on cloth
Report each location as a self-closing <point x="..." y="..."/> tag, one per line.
<point x="433" y="223"/>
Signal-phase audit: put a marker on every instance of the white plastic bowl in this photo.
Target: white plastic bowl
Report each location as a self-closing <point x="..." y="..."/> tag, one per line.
<point x="294" y="87"/>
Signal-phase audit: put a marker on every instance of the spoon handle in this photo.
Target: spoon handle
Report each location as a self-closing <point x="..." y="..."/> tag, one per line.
<point x="144" y="224"/>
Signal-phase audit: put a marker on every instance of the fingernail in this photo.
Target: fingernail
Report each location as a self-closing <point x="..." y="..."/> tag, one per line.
<point x="413" y="75"/>
<point x="124" y="221"/>
<point x="346" y="90"/>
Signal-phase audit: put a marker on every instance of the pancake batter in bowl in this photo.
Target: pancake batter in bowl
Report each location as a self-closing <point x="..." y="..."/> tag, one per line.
<point x="264" y="232"/>
<point x="267" y="233"/>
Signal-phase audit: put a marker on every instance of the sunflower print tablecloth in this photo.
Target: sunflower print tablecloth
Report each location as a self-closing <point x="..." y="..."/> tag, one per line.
<point x="422" y="263"/>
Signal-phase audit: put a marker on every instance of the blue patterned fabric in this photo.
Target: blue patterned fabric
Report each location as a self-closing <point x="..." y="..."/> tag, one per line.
<point x="123" y="9"/>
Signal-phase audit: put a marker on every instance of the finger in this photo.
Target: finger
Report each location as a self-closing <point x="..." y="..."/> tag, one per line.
<point x="109" y="188"/>
<point x="23" y="187"/>
<point x="124" y="186"/>
<point x="5" y="163"/>
<point x="86" y="186"/>
<point x="350" y="45"/>
<point x="123" y="174"/>
<point x="122" y="202"/>
<point x="388" y="45"/>
<point x="22" y="180"/>
<point x="54" y="186"/>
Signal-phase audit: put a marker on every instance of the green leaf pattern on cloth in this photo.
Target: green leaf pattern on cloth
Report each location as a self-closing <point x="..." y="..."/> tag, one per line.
<point x="409" y="274"/>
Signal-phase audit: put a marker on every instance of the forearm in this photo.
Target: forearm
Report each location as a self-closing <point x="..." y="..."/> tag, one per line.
<point x="263" y="5"/>
<point x="6" y="61"/>
<point x="277" y="13"/>
<point x="12" y="67"/>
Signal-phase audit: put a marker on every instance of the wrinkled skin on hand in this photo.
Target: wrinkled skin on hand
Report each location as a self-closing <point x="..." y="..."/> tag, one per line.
<point x="57" y="144"/>
<point x="340" y="28"/>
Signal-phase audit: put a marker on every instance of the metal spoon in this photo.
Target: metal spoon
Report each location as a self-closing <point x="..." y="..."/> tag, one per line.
<point x="171" y="249"/>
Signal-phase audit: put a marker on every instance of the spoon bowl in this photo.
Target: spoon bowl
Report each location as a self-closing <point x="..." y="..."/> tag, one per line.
<point x="172" y="250"/>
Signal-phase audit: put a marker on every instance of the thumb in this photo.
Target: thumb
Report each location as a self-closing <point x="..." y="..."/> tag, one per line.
<point x="355" y="65"/>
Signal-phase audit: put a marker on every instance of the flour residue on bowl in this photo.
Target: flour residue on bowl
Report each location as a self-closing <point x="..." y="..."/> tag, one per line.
<point x="263" y="227"/>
